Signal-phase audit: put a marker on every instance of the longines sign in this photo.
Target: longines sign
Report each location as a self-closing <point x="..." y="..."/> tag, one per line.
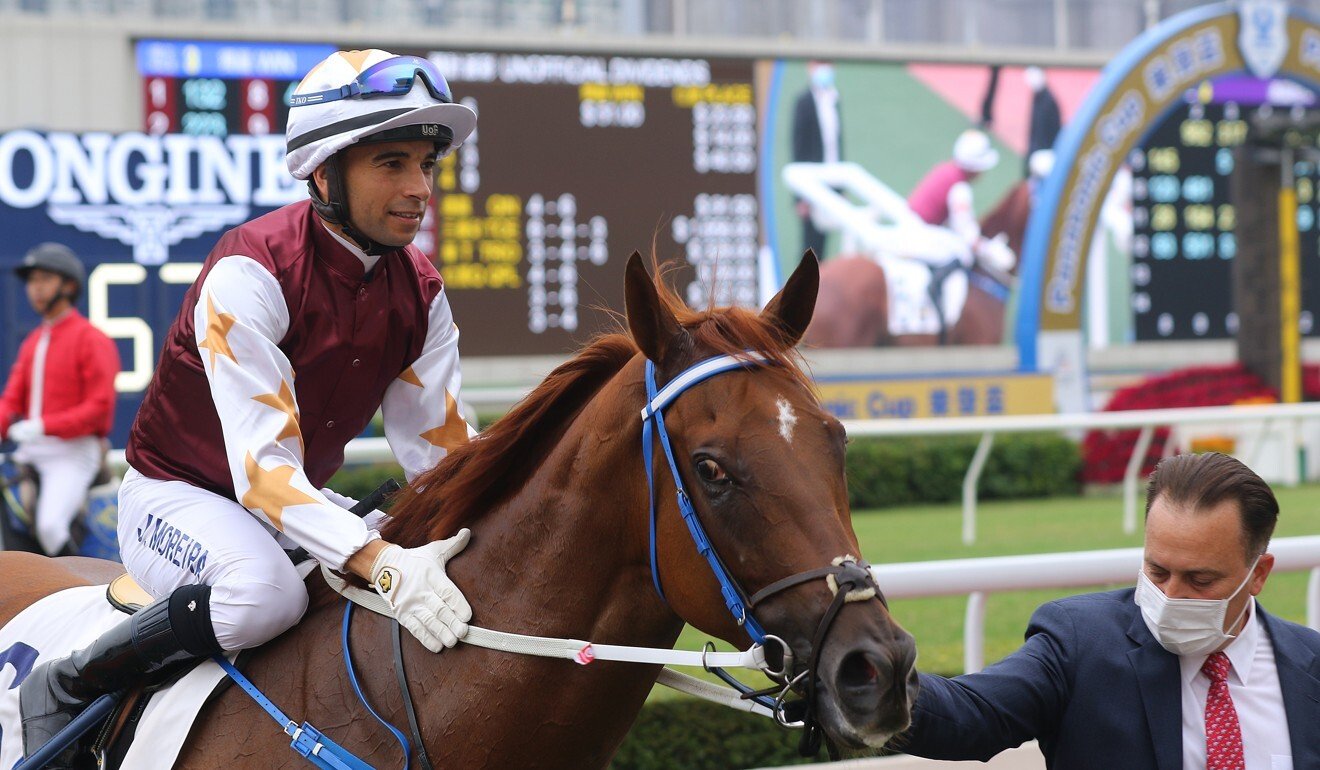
<point x="146" y="192"/>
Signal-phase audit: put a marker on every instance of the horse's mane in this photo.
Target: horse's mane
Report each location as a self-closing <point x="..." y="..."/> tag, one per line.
<point x="476" y="476"/>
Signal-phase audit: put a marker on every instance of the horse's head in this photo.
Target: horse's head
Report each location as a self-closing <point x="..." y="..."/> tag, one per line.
<point x="764" y="467"/>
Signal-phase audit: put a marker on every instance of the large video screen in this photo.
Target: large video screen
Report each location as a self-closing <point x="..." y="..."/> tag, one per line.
<point x="578" y="161"/>
<point x="1185" y="219"/>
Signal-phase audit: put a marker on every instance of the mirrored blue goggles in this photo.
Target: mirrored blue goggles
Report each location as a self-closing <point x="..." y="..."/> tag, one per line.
<point x="392" y="77"/>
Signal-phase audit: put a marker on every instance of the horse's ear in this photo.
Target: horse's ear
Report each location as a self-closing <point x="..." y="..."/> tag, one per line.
<point x="653" y="327"/>
<point x="790" y="310"/>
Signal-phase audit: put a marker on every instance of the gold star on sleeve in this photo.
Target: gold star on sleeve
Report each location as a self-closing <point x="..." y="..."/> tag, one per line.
<point x="453" y="432"/>
<point x="283" y="401"/>
<point x="217" y="333"/>
<point x="410" y="377"/>
<point x="271" y="491"/>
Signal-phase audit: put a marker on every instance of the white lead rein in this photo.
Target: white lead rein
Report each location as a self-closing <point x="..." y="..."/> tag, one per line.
<point x="583" y="653"/>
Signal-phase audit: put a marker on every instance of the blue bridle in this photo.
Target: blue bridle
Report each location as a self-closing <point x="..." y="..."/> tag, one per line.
<point x="653" y="419"/>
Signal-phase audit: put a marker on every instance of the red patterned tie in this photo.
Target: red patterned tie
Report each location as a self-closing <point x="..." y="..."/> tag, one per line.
<point x="1223" y="735"/>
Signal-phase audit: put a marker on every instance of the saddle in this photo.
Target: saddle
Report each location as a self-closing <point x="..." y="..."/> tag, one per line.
<point x="115" y="738"/>
<point x="125" y="595"/>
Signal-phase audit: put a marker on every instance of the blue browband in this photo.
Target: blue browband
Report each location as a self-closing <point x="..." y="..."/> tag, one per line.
<point x="653" y="414"/>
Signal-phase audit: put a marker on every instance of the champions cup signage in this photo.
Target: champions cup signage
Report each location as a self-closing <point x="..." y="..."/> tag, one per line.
<point x="1263" y="37"/>
<point x="142" y="212"/>
<point x="147" y="192"/>
<point x="1178" y="65"/>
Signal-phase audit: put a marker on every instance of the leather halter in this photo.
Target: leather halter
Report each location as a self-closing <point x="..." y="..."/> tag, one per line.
<point x="850" y="575"/>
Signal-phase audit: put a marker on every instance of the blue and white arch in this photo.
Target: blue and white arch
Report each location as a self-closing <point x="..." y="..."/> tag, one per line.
<point x="1134" y="93"/>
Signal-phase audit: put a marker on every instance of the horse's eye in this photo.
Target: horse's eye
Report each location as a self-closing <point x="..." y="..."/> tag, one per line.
<point x="711" y="472"/>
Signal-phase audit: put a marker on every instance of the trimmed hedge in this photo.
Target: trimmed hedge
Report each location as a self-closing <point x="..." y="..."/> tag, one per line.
<point x="690" y="734"/>
<point x="884" y="472"/>
<point x="358" y="481"/>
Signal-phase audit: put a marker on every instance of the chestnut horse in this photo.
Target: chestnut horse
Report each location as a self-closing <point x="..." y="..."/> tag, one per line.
<point x="853" y="309"/>
<point x="556" y="494"/>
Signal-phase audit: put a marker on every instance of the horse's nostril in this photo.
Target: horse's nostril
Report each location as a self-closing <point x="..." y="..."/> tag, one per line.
<point x="857" y="670"/>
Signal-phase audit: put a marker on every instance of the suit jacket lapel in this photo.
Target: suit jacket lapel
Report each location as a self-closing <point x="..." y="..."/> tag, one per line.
<point x="1299" y="681"/>
<point x="1157" y="675"/>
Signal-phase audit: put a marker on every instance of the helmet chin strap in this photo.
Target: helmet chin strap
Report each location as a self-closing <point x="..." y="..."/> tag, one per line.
<point x="335" y="209"/>
<point x="55" y="300"/>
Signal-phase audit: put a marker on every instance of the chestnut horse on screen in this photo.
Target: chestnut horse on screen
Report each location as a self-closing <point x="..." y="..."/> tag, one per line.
<point x="853" y="309"/>
<point x="556" y="495"/>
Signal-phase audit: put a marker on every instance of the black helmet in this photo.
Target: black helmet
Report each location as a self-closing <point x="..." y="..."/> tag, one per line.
<point x="56" y="258"/>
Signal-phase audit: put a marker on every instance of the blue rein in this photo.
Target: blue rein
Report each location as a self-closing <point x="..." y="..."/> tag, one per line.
<point x="653" y="424"/>
<point x="312" y="744"/>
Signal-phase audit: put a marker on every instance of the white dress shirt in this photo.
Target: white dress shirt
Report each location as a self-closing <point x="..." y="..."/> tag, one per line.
<point x="1253" y="684"/>
<point x="827" y="114"/>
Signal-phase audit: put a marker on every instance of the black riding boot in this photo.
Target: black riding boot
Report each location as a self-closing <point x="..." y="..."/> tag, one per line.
<point x="167" y="631"/>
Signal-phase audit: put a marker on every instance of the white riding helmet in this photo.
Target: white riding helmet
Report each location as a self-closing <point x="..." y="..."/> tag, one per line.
<point x="353" y="96"/>
<point x="973" y="151"/>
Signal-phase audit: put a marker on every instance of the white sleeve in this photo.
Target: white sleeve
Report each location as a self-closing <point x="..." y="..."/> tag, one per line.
<point x="962" y="215"/>
<point x="422" y="412"/>
<point x="239" y="319"/>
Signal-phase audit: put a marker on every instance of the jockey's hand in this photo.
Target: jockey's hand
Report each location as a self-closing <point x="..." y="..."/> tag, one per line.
<point x="424" y="599"/>
<point x="996" y="254"/>
<point x="26" y="430"/>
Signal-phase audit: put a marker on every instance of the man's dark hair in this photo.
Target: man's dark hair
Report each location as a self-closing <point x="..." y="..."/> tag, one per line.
<point x="1203" y="481"/>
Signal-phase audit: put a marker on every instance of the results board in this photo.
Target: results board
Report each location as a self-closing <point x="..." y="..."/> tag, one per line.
<point x="214" y="88"/>
<point x="577" y="162"/>
<point x="1185" y="234"/>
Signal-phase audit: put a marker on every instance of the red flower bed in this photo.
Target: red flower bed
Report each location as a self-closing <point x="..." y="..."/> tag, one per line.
<point x="1105" y="453"/>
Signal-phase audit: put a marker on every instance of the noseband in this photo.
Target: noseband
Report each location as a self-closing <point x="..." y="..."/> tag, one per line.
<point x="849" y="578"/>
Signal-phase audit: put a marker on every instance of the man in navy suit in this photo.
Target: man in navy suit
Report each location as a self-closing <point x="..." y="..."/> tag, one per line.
<point x="1116" y="679"/>
<point x="817" y="138"/>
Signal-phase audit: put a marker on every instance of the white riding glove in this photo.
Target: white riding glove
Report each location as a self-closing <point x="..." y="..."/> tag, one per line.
<point x="995" y="253"/>
<point x="26" y="430"/>
<point x="426" y="602"/>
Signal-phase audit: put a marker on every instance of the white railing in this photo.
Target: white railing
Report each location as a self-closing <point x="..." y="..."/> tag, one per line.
<point x="977" y="578"/>
<point x="1287" y="416"/>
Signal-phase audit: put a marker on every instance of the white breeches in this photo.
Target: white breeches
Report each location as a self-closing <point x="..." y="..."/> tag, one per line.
<point x="66" y="468"/>
<point x="911" y="310"/>
<point x="173" y="534"/>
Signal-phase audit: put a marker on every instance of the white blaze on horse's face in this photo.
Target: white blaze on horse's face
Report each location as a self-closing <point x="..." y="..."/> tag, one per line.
<point x="787" y="419"/>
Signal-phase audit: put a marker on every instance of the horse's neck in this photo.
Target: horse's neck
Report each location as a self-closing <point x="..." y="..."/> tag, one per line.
<point x="564" y="556"/>
<point x="568" y="552"/>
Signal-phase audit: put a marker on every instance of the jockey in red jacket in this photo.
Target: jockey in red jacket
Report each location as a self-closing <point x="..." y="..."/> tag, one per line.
<point x="300" y="326"/>
<point x="59" y="402"/>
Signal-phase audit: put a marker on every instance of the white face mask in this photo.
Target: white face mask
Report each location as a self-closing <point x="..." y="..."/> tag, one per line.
<point x="1187" y="626"/>
<point x="822" y="77"/>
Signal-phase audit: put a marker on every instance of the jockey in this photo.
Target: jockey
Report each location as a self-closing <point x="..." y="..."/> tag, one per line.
<point x="59" y="403"/>
<point x="944" y="196"/>
<point x="300" y="326"/>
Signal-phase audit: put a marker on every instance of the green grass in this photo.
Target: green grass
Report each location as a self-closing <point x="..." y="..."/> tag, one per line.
<point x="933" y="532"/>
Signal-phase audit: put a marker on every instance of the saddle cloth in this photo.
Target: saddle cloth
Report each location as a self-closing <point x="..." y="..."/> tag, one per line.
<point x="69" y="620"/>
<point x="72" y="619"/>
